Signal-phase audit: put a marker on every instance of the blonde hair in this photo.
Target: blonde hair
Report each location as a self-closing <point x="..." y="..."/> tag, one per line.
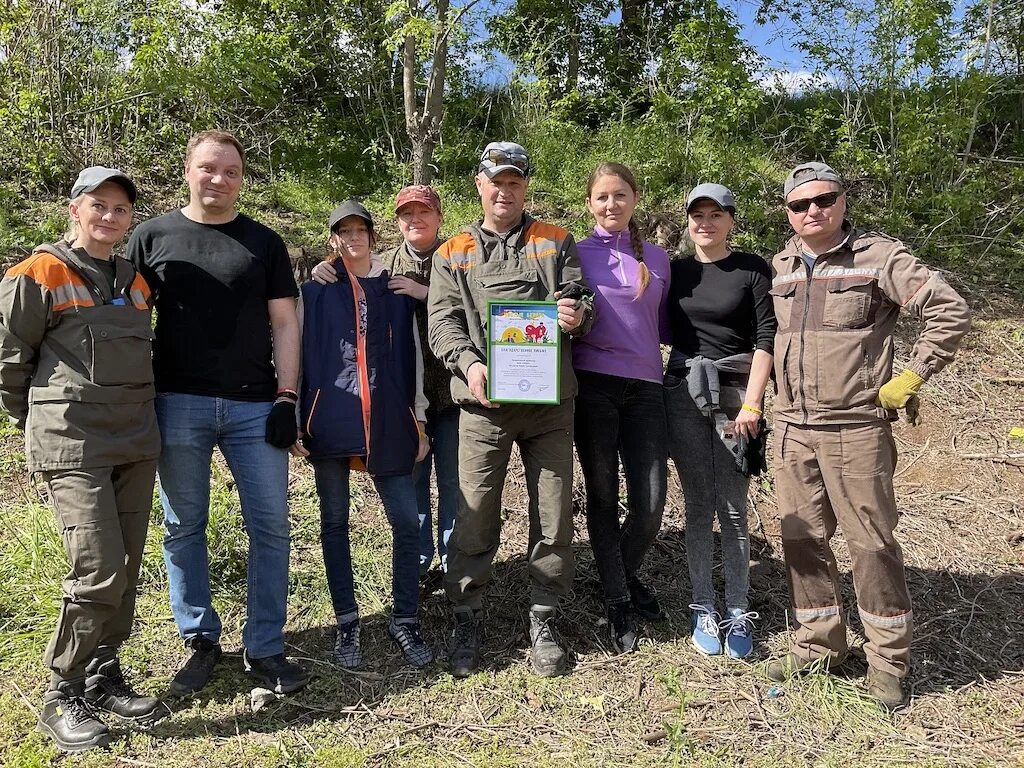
<point x="71" y="233"/>
<point x="636" y="240"/>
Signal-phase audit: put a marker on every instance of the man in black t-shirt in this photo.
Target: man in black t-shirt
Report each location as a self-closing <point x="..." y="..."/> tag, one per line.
<point x="226" y="359"/>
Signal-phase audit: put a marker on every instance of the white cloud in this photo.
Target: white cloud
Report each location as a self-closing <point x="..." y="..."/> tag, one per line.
<point x="791" y="82"/>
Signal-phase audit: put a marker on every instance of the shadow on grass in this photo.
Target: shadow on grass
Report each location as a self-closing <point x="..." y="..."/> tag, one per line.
<point x="966" y="624"/>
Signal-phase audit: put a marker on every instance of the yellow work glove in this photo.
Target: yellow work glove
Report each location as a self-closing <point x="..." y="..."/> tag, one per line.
<point x="898" y="390"/>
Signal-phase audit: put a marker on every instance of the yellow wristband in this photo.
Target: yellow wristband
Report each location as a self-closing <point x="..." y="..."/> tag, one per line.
<point x="752" y="409"/>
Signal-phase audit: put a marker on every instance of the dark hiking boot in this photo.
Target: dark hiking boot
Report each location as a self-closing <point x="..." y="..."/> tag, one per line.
<point x="195" y="673"/>
<point x="276" y="673"/>
<point x="886" y="689"/>
<point x="108" y="691"/>
<point x="644" y="601"/>
<point x="546" y="652"/>
<point x="622" y="628"/>
<point x="464" y="656"/>
<point x="68" y="720"/>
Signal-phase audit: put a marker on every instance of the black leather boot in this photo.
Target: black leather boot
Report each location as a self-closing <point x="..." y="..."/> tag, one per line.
<point x="107" y="690"/>
<point x="69" y="721"/>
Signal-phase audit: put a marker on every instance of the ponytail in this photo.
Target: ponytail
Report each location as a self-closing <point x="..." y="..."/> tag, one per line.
<point x="637" y="243"/>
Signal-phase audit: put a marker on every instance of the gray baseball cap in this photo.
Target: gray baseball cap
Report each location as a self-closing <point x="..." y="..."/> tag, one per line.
<point x="501" y="156"/>
<point x="810" y="172"/>
<point x="720" y="195"/>
<point x="93" y="177"/>
<point x="346" y="209"/>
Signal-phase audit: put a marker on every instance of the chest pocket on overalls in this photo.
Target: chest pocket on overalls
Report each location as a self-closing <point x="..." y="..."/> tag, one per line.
<point x="122" y="347"/>
<point x="505" y="282"/>
<point x="783" y="299"/>
<point x="848" y="302"/>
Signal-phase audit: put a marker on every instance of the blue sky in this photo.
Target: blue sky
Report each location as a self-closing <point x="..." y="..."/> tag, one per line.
<point x="773" y="40"/>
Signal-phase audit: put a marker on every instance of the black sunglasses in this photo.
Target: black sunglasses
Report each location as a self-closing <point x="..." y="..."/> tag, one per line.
<point x="501" y="157"/>
<point x="822" y="201"/>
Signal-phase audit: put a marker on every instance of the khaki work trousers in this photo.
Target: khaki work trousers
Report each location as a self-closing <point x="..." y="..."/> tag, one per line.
<point x="842" y="474"/>
<point x="544" y="436"/>
<point x="103" y="516"/>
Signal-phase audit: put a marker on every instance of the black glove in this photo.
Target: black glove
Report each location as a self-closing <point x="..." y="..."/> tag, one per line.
<point x="750" y="453"/>
<point x="282" y="427"/>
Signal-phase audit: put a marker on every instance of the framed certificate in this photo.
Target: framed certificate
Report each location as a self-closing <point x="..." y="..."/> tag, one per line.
<point x="523" y="352"/>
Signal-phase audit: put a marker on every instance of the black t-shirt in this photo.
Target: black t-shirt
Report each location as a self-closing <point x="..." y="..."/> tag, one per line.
<point x="212" y="283"/>
<point x="720" y="309"/>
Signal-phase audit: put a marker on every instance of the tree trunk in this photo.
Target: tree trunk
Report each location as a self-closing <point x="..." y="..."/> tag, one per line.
<point x="424" y="126"/>
<point x="572" y="70"/>
<point x="629" y="33"/>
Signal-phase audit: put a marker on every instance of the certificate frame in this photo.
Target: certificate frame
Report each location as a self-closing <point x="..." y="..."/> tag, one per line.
<point x="544" y="343"/>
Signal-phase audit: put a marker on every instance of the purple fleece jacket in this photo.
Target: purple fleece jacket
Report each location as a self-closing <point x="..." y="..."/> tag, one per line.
<point x="627" y="330"/>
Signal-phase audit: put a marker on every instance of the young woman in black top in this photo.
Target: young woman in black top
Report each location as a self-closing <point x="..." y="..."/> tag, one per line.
<point x="723" y="328"/>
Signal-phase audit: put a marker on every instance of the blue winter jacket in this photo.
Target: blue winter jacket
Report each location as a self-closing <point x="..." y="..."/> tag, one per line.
<point x="358" y="389"/>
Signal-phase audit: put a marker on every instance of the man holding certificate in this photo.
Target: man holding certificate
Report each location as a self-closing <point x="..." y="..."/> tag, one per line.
<point x="502" y="294"/>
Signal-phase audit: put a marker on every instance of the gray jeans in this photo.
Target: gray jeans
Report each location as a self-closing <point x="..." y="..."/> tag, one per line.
<point x="712" y="485"/>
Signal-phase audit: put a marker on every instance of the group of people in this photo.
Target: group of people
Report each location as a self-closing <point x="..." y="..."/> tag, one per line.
<point x="380" y="364"/>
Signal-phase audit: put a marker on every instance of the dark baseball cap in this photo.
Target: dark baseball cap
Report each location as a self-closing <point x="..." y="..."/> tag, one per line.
<point x="806" y="172"/>
<point x="499" y="156"/>
<point x="718" y="194"/>
<point x="93" y="177"/>
<point x="346" y="209"/>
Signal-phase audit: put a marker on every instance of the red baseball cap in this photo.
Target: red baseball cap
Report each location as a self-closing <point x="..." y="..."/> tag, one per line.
<point x="418" y="193"/>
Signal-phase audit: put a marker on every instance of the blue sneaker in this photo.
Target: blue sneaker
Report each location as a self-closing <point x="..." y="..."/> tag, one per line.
<point x="706" y="636"/>
<point x="739" y="632"/>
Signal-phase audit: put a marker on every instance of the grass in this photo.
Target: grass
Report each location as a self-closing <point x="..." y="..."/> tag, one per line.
<point x="665" y="705"/>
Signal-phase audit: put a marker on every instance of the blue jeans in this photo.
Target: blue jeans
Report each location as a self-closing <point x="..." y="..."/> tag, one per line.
<point x="190" y="427"/>
<point x="398" y="495"/>
<point x="443" y="429"/>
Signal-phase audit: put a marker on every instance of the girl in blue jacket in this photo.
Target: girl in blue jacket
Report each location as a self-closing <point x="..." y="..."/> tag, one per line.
<point x="362" y="405"/>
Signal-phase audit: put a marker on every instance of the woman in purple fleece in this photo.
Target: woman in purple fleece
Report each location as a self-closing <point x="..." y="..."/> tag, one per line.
<point x="620" y="408"/>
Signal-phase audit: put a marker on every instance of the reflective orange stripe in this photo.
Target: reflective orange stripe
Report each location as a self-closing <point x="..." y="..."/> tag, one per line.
<point x="49" y="272"/>
<point x="139" y="292"/>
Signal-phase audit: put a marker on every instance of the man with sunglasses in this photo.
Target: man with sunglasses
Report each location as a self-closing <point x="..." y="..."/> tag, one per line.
<point x="838" y="292"/>
<point x="506" y="256"/>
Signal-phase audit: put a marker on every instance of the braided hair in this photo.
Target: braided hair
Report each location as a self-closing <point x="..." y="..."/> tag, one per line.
<point x="636" y="240"/>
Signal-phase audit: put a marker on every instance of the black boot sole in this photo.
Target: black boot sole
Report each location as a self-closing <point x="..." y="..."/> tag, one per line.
<point x="141" y="721"/>
<point x="182" y="691"/>
<point x="100" y="742"/>
<point x="559" y="671"/>
<point x="463" y="670"/>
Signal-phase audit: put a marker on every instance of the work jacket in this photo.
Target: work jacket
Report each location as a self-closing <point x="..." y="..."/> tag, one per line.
<point x="436" y="377"/>
<point x="530" y="263"/>
<point x="359" y="373"/>
<point x="76" y="362"/>
<point x="834" y="346"/>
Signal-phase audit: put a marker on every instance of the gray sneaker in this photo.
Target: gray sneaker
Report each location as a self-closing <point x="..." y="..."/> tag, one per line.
<point x="347" y="652"/>
<point x="408" y="637"/>
<point x="546" y="651"/>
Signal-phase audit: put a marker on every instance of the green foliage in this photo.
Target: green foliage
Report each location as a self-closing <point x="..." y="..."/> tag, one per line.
<point x="932" y="142"/>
